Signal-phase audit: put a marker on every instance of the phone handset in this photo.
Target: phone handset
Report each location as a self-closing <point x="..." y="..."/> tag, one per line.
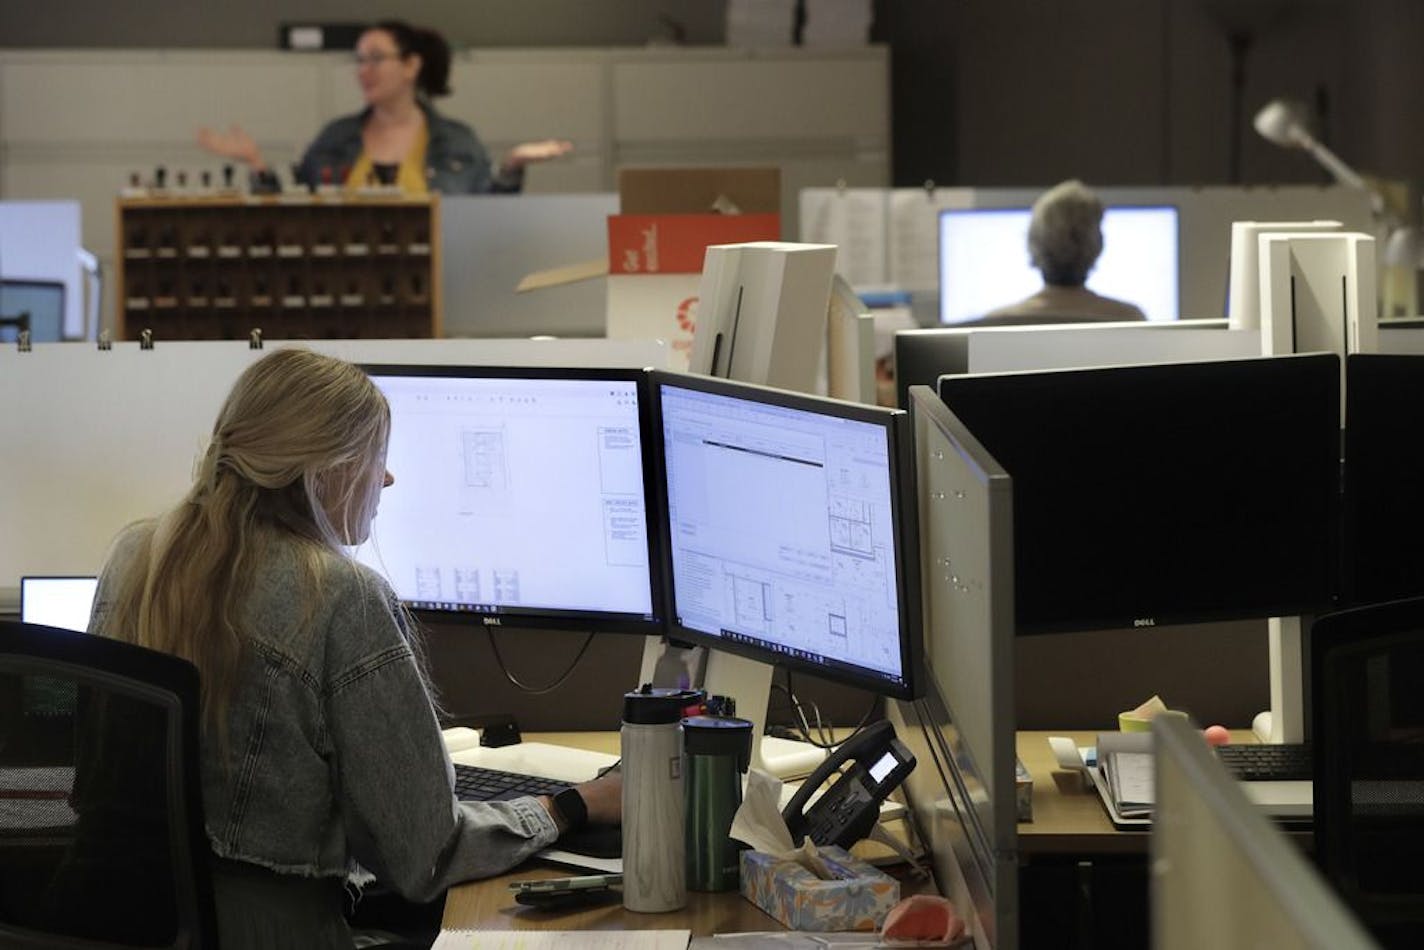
<point x="878" y="763"/>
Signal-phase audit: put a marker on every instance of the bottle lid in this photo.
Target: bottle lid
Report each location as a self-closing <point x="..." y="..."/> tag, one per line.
<point x="718" y="735"/>
<point x="658" y="705"/>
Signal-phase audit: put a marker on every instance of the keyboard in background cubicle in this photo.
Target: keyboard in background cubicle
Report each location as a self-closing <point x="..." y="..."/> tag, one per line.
<point x="1276" y="776"/>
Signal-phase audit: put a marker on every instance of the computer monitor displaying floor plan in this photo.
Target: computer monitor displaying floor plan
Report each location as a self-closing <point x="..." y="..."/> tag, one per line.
<point x="791" y="534"/>
<point x="519" y="496"/>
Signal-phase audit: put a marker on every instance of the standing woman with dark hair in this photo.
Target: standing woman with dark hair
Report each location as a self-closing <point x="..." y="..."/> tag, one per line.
<point x="399" y="138"/>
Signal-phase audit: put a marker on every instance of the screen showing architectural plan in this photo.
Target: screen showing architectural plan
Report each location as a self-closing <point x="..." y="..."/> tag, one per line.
<point x="518" y="495"/>
<point x="787" y="529"/>
<point x="984" y="260"/>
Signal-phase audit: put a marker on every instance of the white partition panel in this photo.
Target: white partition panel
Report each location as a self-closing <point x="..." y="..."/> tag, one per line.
<point x="97" y="439"/>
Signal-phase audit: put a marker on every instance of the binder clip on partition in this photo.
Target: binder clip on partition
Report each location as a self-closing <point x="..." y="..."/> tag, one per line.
<point x="254" y="338"/>
<point x="145" y="339"/>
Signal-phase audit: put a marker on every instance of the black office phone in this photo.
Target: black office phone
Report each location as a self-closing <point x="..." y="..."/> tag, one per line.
<point x="876" y="762"/>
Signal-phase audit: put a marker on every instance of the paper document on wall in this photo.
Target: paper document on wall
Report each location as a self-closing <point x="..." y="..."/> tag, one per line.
<point x="853" y="219"/>
<point x="562" y="939"/>
<point x="914" y="234"/>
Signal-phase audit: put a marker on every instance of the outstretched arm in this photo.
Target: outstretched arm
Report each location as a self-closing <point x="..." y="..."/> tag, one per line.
<point x="233" y="144"/>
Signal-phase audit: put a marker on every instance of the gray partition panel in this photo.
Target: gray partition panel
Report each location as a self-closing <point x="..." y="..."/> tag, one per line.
<point x="490" y="242"/>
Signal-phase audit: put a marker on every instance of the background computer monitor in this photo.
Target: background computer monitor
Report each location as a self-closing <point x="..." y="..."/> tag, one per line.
<point x="520" y="497"/>
<point x="57" y="601"/>
<point x="1222" y="875"/>
<point x="41" y="300"/>
<point x="1167" y="493"/>
<point x="984" y="260"/>
<point x="1384" y="478"/>
<point x="791" y="530"/>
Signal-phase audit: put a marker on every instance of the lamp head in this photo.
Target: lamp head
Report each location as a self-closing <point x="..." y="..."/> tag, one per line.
<point x="1283" y="122"/>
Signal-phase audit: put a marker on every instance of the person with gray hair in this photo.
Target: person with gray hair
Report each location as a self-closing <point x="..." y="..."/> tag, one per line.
<point x="1065" y="237"/>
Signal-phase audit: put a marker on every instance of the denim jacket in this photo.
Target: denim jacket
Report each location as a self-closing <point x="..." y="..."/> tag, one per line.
<point x="455" y="160"/>
<point x="334" y="756"/>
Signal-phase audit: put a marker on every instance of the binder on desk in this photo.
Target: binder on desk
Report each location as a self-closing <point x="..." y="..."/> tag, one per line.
<point x="1123" y="777"/>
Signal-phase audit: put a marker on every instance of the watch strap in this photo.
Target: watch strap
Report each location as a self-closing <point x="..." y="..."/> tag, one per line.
<point x="572" y="809"/>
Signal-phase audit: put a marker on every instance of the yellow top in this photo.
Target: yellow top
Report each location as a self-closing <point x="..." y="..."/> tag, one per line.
<point x="410" y="175"/>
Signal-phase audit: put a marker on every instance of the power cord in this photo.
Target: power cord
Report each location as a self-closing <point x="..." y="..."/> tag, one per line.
<point x="822" y="726"/>
<point x="525" y="687"/>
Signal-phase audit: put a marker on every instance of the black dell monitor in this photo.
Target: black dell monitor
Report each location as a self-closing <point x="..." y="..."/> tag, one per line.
<point x="791" y="530"/>
<point x="520" y="497"/>
<point x="1165" y="493"/>
<point x="1384" y="478"/>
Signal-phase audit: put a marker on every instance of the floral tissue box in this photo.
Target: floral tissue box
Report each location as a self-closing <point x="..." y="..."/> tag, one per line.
<point x="857" y="899"/>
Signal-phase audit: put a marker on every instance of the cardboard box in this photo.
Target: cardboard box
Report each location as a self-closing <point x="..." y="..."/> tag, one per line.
<point x="858" y="900"/>
<point x="656" y="245"/>
<point x="729" y="190"/>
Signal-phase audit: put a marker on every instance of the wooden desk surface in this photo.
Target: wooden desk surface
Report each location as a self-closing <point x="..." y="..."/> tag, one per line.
<point x="489" y="904"/>
<point x="1068" y="818"/>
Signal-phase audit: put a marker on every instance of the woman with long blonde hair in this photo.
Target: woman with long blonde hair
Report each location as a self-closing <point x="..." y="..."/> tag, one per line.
<point x="322" y="755"/>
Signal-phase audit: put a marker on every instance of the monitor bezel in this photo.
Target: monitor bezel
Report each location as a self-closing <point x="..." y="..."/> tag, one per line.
<point x="969" y="322"/>
<point x="1107" y="621"/>
<point x="896" y="423"/>
<point x="547" y="618"/>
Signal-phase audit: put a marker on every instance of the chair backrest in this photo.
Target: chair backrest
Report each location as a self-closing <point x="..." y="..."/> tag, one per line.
<point x="102" y="841"/>
<point x="1367" y="681"/>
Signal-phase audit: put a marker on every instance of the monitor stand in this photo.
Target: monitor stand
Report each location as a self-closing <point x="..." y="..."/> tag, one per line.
<point x="1285" y="720"/>
<point x="749" y="683"/>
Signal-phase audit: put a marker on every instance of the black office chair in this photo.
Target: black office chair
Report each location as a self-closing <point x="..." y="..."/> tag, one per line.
<point x="101" y="819"/>
<point x="1367" y="667"/>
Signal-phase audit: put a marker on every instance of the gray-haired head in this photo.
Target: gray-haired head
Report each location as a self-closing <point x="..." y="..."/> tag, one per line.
<point x="1065" y="234"/>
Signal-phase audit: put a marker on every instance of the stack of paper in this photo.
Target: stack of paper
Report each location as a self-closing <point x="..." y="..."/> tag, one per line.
<point x="1125" y="762"/>
<point x="837" y="23"/>
<point x="760" y="23"/>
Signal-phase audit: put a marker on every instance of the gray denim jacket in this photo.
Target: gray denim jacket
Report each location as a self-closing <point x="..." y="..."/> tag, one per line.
<point x="334" y="756"/>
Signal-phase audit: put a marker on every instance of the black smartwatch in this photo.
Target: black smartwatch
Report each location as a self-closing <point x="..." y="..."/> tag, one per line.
<point x="572" y="809"/>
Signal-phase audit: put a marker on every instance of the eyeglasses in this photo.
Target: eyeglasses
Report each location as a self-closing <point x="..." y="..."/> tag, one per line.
<point x="372" y="59"/>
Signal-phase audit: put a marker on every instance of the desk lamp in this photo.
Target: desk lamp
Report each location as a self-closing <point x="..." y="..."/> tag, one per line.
<point x="1283" y="122"/>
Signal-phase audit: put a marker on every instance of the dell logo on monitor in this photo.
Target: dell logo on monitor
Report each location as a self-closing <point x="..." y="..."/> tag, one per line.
<point x="491" y="621"/>
<point x="1144" y="622"/>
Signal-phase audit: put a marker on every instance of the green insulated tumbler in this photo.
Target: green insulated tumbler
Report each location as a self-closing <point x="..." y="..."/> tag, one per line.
<point x="717" y="750"/>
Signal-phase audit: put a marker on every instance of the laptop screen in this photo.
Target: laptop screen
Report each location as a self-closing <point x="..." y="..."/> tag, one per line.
<point x="57" y="601"/>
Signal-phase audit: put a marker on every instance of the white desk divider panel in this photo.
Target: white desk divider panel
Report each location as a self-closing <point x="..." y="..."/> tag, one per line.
<point x="95" y="439"/>
<point x="1009" y="349"/>
<point x="965" y="798"/>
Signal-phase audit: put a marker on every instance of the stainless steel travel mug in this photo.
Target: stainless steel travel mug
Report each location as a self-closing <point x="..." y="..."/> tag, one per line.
<point x="654" y="870"/>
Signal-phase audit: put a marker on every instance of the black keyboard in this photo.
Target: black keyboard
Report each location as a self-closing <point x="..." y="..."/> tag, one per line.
<point x="1267" y="762"/>
<point x="474" y="784"/>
